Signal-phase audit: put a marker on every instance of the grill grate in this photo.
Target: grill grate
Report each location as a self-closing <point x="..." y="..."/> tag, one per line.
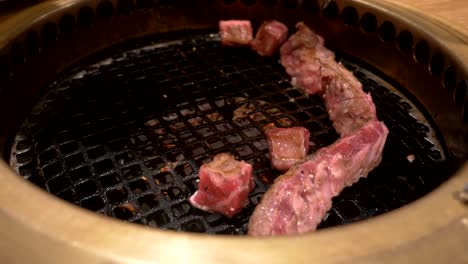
<point x="125" y="137"/>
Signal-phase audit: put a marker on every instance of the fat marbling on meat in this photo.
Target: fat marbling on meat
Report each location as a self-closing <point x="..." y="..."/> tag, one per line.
<point x="224" y="187"/>
<point x="299" y="199"/>
<point x="287" y="146"/>
<point x="270" y="36"/>
<point x="235" y="32"/>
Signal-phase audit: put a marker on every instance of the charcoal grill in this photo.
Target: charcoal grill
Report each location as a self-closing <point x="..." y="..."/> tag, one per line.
<point x="111" y="107"/>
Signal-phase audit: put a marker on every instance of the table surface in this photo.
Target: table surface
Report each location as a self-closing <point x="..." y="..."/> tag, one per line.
<point x="453" y="11"/>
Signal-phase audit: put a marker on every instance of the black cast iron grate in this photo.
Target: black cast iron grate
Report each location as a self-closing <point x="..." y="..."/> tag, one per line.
<point x="125" y="137"/>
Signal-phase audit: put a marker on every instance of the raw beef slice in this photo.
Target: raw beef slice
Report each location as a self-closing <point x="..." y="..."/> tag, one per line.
<point x="235" y="32"/>
<point x="225" y="184"/>
<point x="270" y="36"/>
<point x="287" y="146"/>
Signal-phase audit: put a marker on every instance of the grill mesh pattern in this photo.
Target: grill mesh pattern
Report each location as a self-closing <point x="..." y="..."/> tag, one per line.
<point x="125" y="137"/>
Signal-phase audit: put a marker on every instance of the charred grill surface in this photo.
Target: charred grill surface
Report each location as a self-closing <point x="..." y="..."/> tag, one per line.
<point x="125" y="135"/>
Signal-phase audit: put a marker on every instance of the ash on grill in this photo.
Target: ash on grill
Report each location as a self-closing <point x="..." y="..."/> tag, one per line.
<point x="122" y="138"/>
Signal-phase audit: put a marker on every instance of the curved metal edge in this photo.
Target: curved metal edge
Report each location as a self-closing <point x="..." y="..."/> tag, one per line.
<point x="18" y="22"/>
<point x="75" y="235"/>
<point x="30" y="232"/>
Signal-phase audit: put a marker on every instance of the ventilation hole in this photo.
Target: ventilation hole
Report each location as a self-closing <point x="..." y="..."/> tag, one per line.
<point x="387" y="31"/>
<point x="144" y="4"/>
<point x="465" y="112"/>
<point x="405" y="41"/>
<point x="32" y="43"/>
<point x="460" y="93"/>
<point x="450" y="78"/>
<point x="80" y="173"/>
<point x="180" y="210"/>
<point x="5" y="72"/>
<point x="58" y="184"/>
<point x="331" y="10"/>
<point x="124" y="212"/>
<point x="86" y="189"/>
<point x="109" y="180"/>
<point x="158" y="218"/>
<point x="350" y="15"/>
<point x="229" y="2"/>
<point x="311" y="5"/>
<point x="17" y="53"/>
<point x="422" y="52"/>
<point x="86" y="17"/>
<point x="139" y="186"/>
<point x="103" y="166"/>
<point x="437" y="64"/>
<point x="117" y="195"/>
<point x="105" y="9"/>
<point x="74" y="160"/>
<point x="248" y="2"/>
<point x="125" y="6"/>
<point x="52" y="170"/>
<point x="290" y="3"/>
<point x="268" y="3"/>
<point x="49" y="33"/>
<point x="369" y="23"/>
<point x="67" y="25"/>
<point x="94" y="203"/>
<point x="96" y="152"/>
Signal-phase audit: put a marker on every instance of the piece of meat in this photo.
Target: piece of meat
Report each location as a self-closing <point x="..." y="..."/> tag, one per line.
<point x="349" y="107"/>
<point x="301" y="56"/>
<point x="313" y="68"/>
<point x="225" y="184"/>
<point x="270" y="36"/>
<point x="299" y="199"/>
<point x="287" y="146"/>
<point x="235" y="32"/>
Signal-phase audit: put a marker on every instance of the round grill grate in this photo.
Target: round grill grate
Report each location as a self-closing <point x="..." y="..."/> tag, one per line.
<point x="125" y="137"/>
